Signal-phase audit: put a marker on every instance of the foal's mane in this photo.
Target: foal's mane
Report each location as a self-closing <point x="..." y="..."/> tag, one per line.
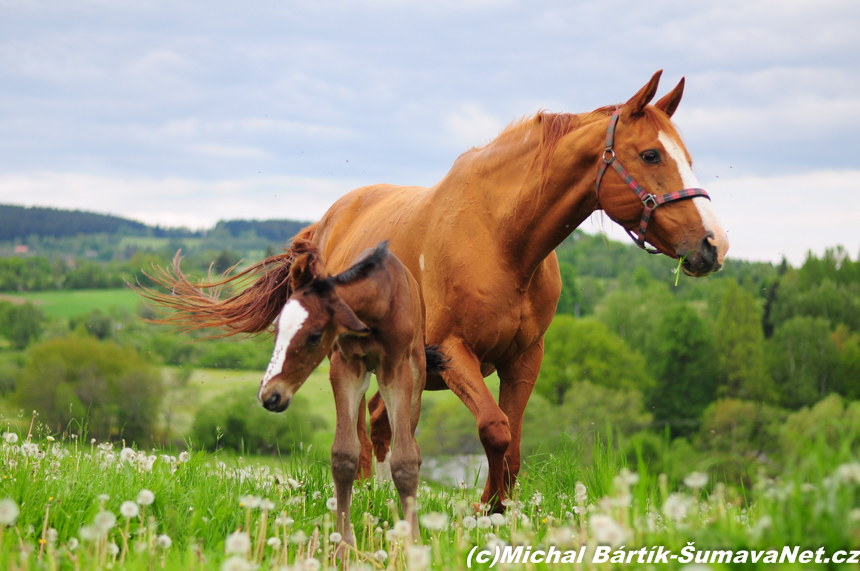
<point x="361" y="269"/>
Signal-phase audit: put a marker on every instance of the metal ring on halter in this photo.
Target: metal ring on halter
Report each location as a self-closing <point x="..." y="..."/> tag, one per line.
<point x="653" y="199"/>
<point x="611" y="155"/>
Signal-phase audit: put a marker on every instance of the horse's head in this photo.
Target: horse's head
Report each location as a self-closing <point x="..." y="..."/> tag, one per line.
<point x="305" y="331"/>
<point x="650" y="149"/>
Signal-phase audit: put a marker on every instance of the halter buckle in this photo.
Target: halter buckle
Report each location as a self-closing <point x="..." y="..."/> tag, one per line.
<point x="653" y="199"/>
<point x="611" y="153"/>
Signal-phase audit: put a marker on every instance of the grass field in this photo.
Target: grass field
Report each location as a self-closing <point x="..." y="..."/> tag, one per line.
<point x="62" y="506"/>
<point x="68" y="303"/>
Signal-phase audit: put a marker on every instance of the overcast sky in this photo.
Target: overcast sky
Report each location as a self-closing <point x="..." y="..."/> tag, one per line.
<point x="184" y="113"/>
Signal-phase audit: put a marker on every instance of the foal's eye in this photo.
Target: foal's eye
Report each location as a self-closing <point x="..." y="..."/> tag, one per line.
<point x="651" y="157"/>
<point x="314" y="339"/>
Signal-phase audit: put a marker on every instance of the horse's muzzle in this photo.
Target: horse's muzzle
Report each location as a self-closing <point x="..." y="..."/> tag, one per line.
<point x="274" y="404"/>
<point x="704" y="259"/>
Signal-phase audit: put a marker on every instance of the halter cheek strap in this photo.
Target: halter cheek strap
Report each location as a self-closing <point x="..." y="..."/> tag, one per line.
<point x="649" y="201"/>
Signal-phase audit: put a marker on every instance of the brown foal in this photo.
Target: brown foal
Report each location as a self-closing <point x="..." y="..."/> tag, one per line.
<point x="368" y="320"/>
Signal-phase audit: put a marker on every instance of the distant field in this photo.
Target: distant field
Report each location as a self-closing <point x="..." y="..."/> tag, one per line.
<point x="68" y="303"/>
<point x="155" y="243"/>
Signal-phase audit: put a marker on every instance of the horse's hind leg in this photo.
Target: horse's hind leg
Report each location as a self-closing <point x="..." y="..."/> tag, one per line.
<point x="365" y="461"/>
<point x="401" y="386"/>
<point x="380" y="435"/>
<point x="516" y="383"/>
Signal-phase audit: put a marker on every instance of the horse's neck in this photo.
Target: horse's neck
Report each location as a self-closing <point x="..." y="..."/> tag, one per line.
<point x="534" y="211"/>
<point x="368" y="297"/>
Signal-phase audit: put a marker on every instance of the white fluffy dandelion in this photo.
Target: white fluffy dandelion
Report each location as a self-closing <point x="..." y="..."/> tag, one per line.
<point x="274" y="543"/>
<point x="73" y="544"/>
<point x="580" y="493"/>
<point x="235" y="563"/>
<point x="145" y="497"/>
<point x="606" y="530"/>
<point x="381" y="555"/>
<point x="129" y="510"/>
<point x="250" y="502"/>
<point x="237" y="542"/>
<point x="434" y="521"/>
<point x="675" y="507"/>
<point x="164" y="541"/>
<point x="331" y="504"/>
<point x="311" y="564"/>
<point x="10" y="437"/>
<point x="335" y="537"/>
<point x="8" y="511"/>
<point x="104" y="521"/>
<point x="469" y="522"/>
<point x="417" y="557"/>
<point x="183" y="456"/>
<point x="402" y="528"/>
<point x="498" y="520"/>
<point x="299" y="537"/>
<point x="696" y="480"/>
<point x="127" y="455"/>
<point x="113" y="549"/>
<point x="484" y="522"/>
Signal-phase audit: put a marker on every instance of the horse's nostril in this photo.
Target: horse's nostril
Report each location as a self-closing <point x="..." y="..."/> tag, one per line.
<point x="271" y="403"/>
<point x="707" y="250"/>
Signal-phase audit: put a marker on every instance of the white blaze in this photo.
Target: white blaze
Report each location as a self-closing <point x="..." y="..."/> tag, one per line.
<point x="292" y="316"/>
<point x="703" y="205"/>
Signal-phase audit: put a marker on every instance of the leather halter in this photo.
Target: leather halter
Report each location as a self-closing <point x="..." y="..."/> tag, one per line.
<point x="650" y="201"/>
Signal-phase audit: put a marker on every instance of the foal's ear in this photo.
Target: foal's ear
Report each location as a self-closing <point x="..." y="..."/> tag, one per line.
<point x="669" y="102"/>
<point x="637" y="103"/>
<point x="346" y="320"/>
<point x="301" y="271"/>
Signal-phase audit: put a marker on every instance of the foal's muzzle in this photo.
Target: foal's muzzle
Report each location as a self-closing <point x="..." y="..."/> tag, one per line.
<point x="274" y="402"/>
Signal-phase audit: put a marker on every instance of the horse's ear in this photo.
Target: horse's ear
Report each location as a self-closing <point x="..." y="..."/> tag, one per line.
<point x="637" y="103"/>
<point x="669" y="102"/>
<point x="301" y="271"/>
<point x="347" y="321"/>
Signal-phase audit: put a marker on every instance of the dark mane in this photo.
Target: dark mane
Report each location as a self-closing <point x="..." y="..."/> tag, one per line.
<point x="363" y="267"/>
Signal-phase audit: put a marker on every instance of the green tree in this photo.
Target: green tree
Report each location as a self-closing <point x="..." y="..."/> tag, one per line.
<point x="740" y="348"/>
<point x="569" y="301"/>
<point x="804" y="361"/>
<point x="683" y="366"/>
<point x="848" y="345"/>
<point x="20" y="324"/>
<point x="578" y="350"/>
<point x="633" y="312"/>
<point x="114" y="389"/>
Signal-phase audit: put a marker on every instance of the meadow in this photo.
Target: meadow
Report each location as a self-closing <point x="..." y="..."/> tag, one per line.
<point x="63" y="304"/>
<point x="79" y="504"/>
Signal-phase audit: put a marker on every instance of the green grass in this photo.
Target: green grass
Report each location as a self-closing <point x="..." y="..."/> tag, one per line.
<point x="68" y="303"/>
<point x="153" y="243"/>
<point x="200" y="500"/>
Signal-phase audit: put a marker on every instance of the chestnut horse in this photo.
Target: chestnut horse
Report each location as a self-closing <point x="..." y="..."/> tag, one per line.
<point x="481" y="245"/>
<point x="368" y="319"/>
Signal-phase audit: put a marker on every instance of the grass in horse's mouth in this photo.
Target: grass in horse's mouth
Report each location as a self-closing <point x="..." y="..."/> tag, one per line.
<point x="677" y="271"/>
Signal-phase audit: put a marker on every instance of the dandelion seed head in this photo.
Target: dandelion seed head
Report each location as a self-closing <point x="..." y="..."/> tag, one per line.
<point x="10" y="437"/>
<point x="434" y="521"/>
<point x="696" y="480"/>
<point x="235" y="563"/>
<point x="274" y="542"/>
<point x="73" y="544"/>
<point x="164" y="541"/>
<point x="104" y="521"/>
<point x="335" y="537"/>
<point x="113" y="549"/>
<point x="129" y="509"/>
<point x="469" y="522"/>
<point x="238" y="542"/>
<point x="417" y="557"/>
<point x="8" y="511"/>
<point x="606" y="530"/>
<point x="145" y="497"/>
<point x="331" y="504"/>
<point x="402" y="528"/>
<point x="484" y="522"/>
<point x="311" y="564"/>
<point x="381" y="555"/>
<point x="299" y="537"/>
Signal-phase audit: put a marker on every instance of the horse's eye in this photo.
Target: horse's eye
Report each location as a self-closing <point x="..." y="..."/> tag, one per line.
<point x="651" y="157"/>
<point x="314" y="339"/>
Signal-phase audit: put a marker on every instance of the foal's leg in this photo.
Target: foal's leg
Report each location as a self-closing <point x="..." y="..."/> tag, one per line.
<point x="401" y="385"/>
<point x="517" y="382"/>
<point x="349" y="382"/>
<point x="380" y="436"/>
<point x="365" y="462"/>
<point x="463" y="377"/>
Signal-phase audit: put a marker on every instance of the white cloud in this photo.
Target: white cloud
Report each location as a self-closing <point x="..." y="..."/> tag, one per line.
<point x="177" y="201"/>
<point x="471" y="126"/>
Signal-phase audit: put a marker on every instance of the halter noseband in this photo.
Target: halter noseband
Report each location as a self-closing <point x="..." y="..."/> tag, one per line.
<point x="650" y="201"/>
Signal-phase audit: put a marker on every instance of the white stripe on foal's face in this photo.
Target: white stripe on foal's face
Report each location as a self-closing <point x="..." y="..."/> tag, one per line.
<point x="289" y="323"/>
<point x="703" y="205"/>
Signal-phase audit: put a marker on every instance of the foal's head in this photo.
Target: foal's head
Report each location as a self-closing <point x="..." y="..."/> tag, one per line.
<point x="305" y="332"/>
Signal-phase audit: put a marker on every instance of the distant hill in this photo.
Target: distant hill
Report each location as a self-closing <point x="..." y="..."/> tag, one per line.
<point x="278" y="231"/>
<point x="19" y="222"/>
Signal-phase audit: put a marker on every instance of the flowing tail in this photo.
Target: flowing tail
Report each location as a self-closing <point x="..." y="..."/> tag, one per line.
<point x="436" y="360"/>
<point x="261" y="292"/>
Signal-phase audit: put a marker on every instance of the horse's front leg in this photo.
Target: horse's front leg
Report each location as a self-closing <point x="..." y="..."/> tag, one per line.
<point x="401" y="385"/>
<point x="463" y="376"/>
<point x="349" y="381"/>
